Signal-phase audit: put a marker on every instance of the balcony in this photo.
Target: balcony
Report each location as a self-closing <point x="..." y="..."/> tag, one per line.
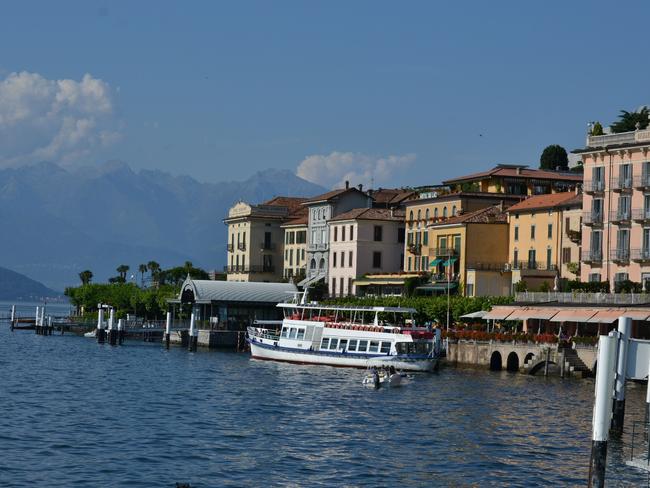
<point x="316" y="247"/>
<point x="641" y="255"/>
<point x="622" y="184"/>
<point x="241" y="246"/>
<point x="249" y="269"/>
<point x="594" y="219"/>
<point x="529" y="265"/>
<point x="618" y="139"/>
<point x="594" y="186"/>
<point x="642" y="182"/>
<point x="231" y="247"/>
<point x="592" y="256"/>
<point x="619" y="255"/>
<point x="574" y="236"/>
<point x="441" y="252"/>
<point x="267" y="246"/>
<point x="620" y="216"/>
<point x="414" y="248"/>
<point x="641" y="215"/>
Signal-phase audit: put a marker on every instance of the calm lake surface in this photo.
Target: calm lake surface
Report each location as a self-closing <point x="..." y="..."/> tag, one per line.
<point x="73" y="413"/>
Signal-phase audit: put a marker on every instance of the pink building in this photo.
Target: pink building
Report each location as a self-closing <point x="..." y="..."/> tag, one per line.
<point x="616" y="208"/>
<point x="362" y="241"/>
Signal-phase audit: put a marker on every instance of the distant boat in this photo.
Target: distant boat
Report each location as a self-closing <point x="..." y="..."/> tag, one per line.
<point x="353" y="336"/>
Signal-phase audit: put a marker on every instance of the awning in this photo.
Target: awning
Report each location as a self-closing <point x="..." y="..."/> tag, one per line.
<point x="313" y="279"/>
<point x="519" y="314"/>
<point x="435" y="262"/>
<point x="450" y="261"/>
<point x="637" y="314"/>
<point x="498" y="313"/>
<point x="606" y="316"/>
<point x="574" y="315"/>
<point x="438" y="286"/>
<point x="474" y="315"/>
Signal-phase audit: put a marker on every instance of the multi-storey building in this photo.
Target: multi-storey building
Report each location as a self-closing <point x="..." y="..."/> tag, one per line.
<point x="364" y="241"/>
<point x="255" y="239"/>
<point x="616" y="208"/>
<point x="544" y="240"/>
<point x="436" y="207"/>
<point x="514" y="179"/>
<point x="468" y="251"/>
<point x="295" y="248"/>
<point x="321" y="209"/>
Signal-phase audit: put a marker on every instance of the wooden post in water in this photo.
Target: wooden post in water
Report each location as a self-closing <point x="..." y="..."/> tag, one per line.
<point x="605" y="376"/>
<point x="36" y="328"/>
<point x="49" y="325"/>
<point x="168" y="329"/>
<point x="112" y="332"/>
<point x="194" y="334"/>
<point x="101" y="334"/>
<point x="548" y="354"/>
<point x="563" y="364"/>
<point x="624" y="331"/>
<point x="121" y="325"/>
<point x="13" y="316"/>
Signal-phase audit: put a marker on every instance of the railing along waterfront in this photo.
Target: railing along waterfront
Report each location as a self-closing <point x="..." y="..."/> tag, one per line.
<point x="583" y="297"/>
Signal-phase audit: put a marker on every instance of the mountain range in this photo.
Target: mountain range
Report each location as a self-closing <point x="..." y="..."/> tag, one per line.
<point x="15" y="286"/>
<point x="57" y="221"/>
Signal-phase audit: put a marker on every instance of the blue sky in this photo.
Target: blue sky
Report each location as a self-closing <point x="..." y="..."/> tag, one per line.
<point x="219" y="90"/>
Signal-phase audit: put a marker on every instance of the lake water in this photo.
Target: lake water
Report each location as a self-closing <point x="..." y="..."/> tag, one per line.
<point x="74" y="413"/>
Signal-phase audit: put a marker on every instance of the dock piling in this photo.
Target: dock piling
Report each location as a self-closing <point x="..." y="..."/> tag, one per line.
<point x="13" y="316"/>
<point x="101" y="333"/>
<point x="168" y="329"/>
<point x="605" y="377"/>
<point x="194" y="335"/>
<point x="624" y="331"/>
<point x="120" y="331"/>
<point x="36" y="317"/>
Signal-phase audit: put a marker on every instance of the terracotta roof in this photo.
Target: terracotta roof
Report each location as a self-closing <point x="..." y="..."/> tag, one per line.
<point x="331" y="195"/>
<point x="292" y="203"/>
<point x="302" y="220"/>
<point x="552" y="200"/>
<point x="469" y="194"/>
<point x="370" y="214"/>
<point x="488" y="215"/>
<point x="391" y="196"/>
<point x="518" y="171"/>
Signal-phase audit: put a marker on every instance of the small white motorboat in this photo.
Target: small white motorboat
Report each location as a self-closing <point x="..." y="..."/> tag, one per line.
<point x="377" y="378"/>
<point x="92" y="333"/>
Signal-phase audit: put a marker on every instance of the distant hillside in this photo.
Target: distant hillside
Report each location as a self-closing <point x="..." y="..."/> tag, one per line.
<point x="58" y="222"/>
<point x="15" y="286"/>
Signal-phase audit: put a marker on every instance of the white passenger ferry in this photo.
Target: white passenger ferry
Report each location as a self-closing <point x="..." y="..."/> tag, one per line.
<point x="346" y="336"/>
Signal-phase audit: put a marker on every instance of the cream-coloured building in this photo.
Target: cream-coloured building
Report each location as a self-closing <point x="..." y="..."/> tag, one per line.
<point x="363" y="241"/>
<point x="295" y="248"/>
<point x="544" y="236"/>
<point x="256" y="239"/>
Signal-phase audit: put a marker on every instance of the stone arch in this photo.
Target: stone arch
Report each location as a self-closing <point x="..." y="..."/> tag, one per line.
<point x="321" y="264"/>
<point x="496" y="363"/>
<point x="512" y="363"/>
<point x="187" y="296"/>
<point x="528" y="357"/>
<point x="540" y="367"/>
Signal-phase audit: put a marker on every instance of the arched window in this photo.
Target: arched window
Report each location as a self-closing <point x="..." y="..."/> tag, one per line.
<point x="444" y="212"/>
<point x="312" y="264"/>
<point x="426" y="215"/>
<point x="435" y="213"/>
<point x="453" y="210"/>
<point x="321" y="265"/>
<point x="411" y="219"/>
<point x="419" y="214"/>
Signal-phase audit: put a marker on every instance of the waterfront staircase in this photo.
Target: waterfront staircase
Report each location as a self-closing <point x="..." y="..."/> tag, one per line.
<point x="573" y="364"/>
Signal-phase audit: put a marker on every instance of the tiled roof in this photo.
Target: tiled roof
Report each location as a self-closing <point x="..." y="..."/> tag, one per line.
<point x="391" y="196"/>
<point x="331" y="195"/>
<point x="489" y="215"/>
<point x="552" y="200"/>
<point x="370" y="214"/>
<point x="517" y="171"/>
<point x="302" y="220"/>
<point x="469" y="194"/>
<point x="292" y="203"/>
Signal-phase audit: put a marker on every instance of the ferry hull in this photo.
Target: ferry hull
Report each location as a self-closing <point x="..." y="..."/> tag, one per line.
<point x="343" y="360"/>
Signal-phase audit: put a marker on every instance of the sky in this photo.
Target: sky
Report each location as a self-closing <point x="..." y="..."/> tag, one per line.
<point x="382" y="93"/>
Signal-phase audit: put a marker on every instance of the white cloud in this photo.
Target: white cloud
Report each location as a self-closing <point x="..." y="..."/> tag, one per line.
<point x="62" y="121"/>
<point x="334" y="169"/>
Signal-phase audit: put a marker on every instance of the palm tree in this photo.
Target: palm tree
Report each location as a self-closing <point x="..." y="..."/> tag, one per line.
<point x="154" y="267"/>
<point x="187" y="267"/>
<point x="142" y="269"/>
<point x="86" y="276"/>
<point x="122" y="269"/>
<point x="629" y="121"/>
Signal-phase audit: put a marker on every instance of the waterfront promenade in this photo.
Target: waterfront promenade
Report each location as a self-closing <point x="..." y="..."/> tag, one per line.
<point x="140" y="415"/>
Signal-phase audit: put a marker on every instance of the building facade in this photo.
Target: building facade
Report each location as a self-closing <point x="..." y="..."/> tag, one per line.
<point x="543" y="243"/>
<point x="295" y="249"/>
<point x="616" y="208"/>
<point x="363" y="241"/>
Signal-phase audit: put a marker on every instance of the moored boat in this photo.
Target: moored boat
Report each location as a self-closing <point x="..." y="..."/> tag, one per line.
<point x="350" y="336"/>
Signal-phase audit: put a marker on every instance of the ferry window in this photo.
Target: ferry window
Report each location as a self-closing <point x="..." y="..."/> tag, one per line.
<point x="333" y="344"/>
<point x="292" y="333"/>
<point x="385" y="347"/>
<point x="400" y="347"/>
<point x="325" y="343"/>
<point x="301" y="334"/>
<point x="374" y="346"/>
<point x="363" y="345"/>
<point x="352" y="345"/>
<point x="285" y="332"/>
<point x="342" y="344"/>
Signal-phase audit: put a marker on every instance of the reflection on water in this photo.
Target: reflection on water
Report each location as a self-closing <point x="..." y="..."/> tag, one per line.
<point x="78" y="414"/>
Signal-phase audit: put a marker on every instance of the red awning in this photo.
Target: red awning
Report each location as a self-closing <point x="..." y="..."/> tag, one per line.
<point x="574" y="315"/>
<point x="499" y="313"/>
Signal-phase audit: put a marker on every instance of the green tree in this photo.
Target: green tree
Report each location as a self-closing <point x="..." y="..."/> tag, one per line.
<point x="86" y="276"/>
<point x="142" y="269"/>
<point x="596" y="129"/>
<point x="553" y="157"/>
<point x="154" y="268"/>
<point x="629" y="121"/>
<point x="123" y="269"/>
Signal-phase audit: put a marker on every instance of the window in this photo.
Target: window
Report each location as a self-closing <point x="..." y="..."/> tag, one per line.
<point x="333" y="290"/>
<point x="341" y="291"/>
<point x="378" y="232"/>
<point x="470" y="289"/>
<point x="312" y="264"/>
<point x="426" y="215"/>
<point x="425" y="237"/>
<point x="532" y="232"/>
<point x="336" y="233"/>
<point x="343" y="233"/>
<point x="333" y="344"/>
<point x="343" y="344"/>
<point x="623" y="207"/>
<point x="567" y="223"/>
<point x="351" y="233"/>
<point x="620" y="277"/>
<point x="285" y="332"/>
<point x="453" y="210"/>
<point x="409" y="238"/>
<point x="457" y="244"/>
<point x="301" y="334"/>
<point x="385" y="347"/>
<point x="333" y="260"/>
<point x="374" y="346"/>
<point x="411" y="219"/>
<point x="292" y="333"/>
<point x="325" y="343"/>
<point x="516" y="232"/>
<point x="549" y="256"/>
<point x="376" y="259"/>
<point x="593" y="277"/>
<point x="400" y="235"/>
<point x="290" y="257"/>
<point x="408" y="267"/>
<point x="363" y="345"/>
<point x="419" y="216"/>
<point x="550" y="231"/>
<point x="350" y="257"/>
<point x="566" y="255"/>
<point x="515" y="259"/>
<point x="435" y="213"/>
<point x="267" y="240"/>
<point x="352" y="345"/>
<point x="350" y="292"/>
<point x="444" y="213"/>
<point x="532" y="264"/>
<point x="342" y="260"/>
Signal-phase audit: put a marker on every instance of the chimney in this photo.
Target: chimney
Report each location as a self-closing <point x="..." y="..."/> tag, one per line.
<point x="518" y="170"/>
<point x="360" y="187"/>
<point x="347" y="184"/>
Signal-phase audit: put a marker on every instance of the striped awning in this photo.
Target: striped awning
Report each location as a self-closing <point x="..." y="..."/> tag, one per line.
<point x="541" y="313"/>
<point x="637" y="314"/>
<point x="499" y="313"/>
<point x="606" y="316"/>
<point x="574" y="315"/>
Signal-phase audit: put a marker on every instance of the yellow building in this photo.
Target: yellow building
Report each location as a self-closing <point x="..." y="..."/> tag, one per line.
<point x="433" y="208"/>
<point x="468" y="251"/>
<point x="295" y="248"/>
<point x="544" y="235"/>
